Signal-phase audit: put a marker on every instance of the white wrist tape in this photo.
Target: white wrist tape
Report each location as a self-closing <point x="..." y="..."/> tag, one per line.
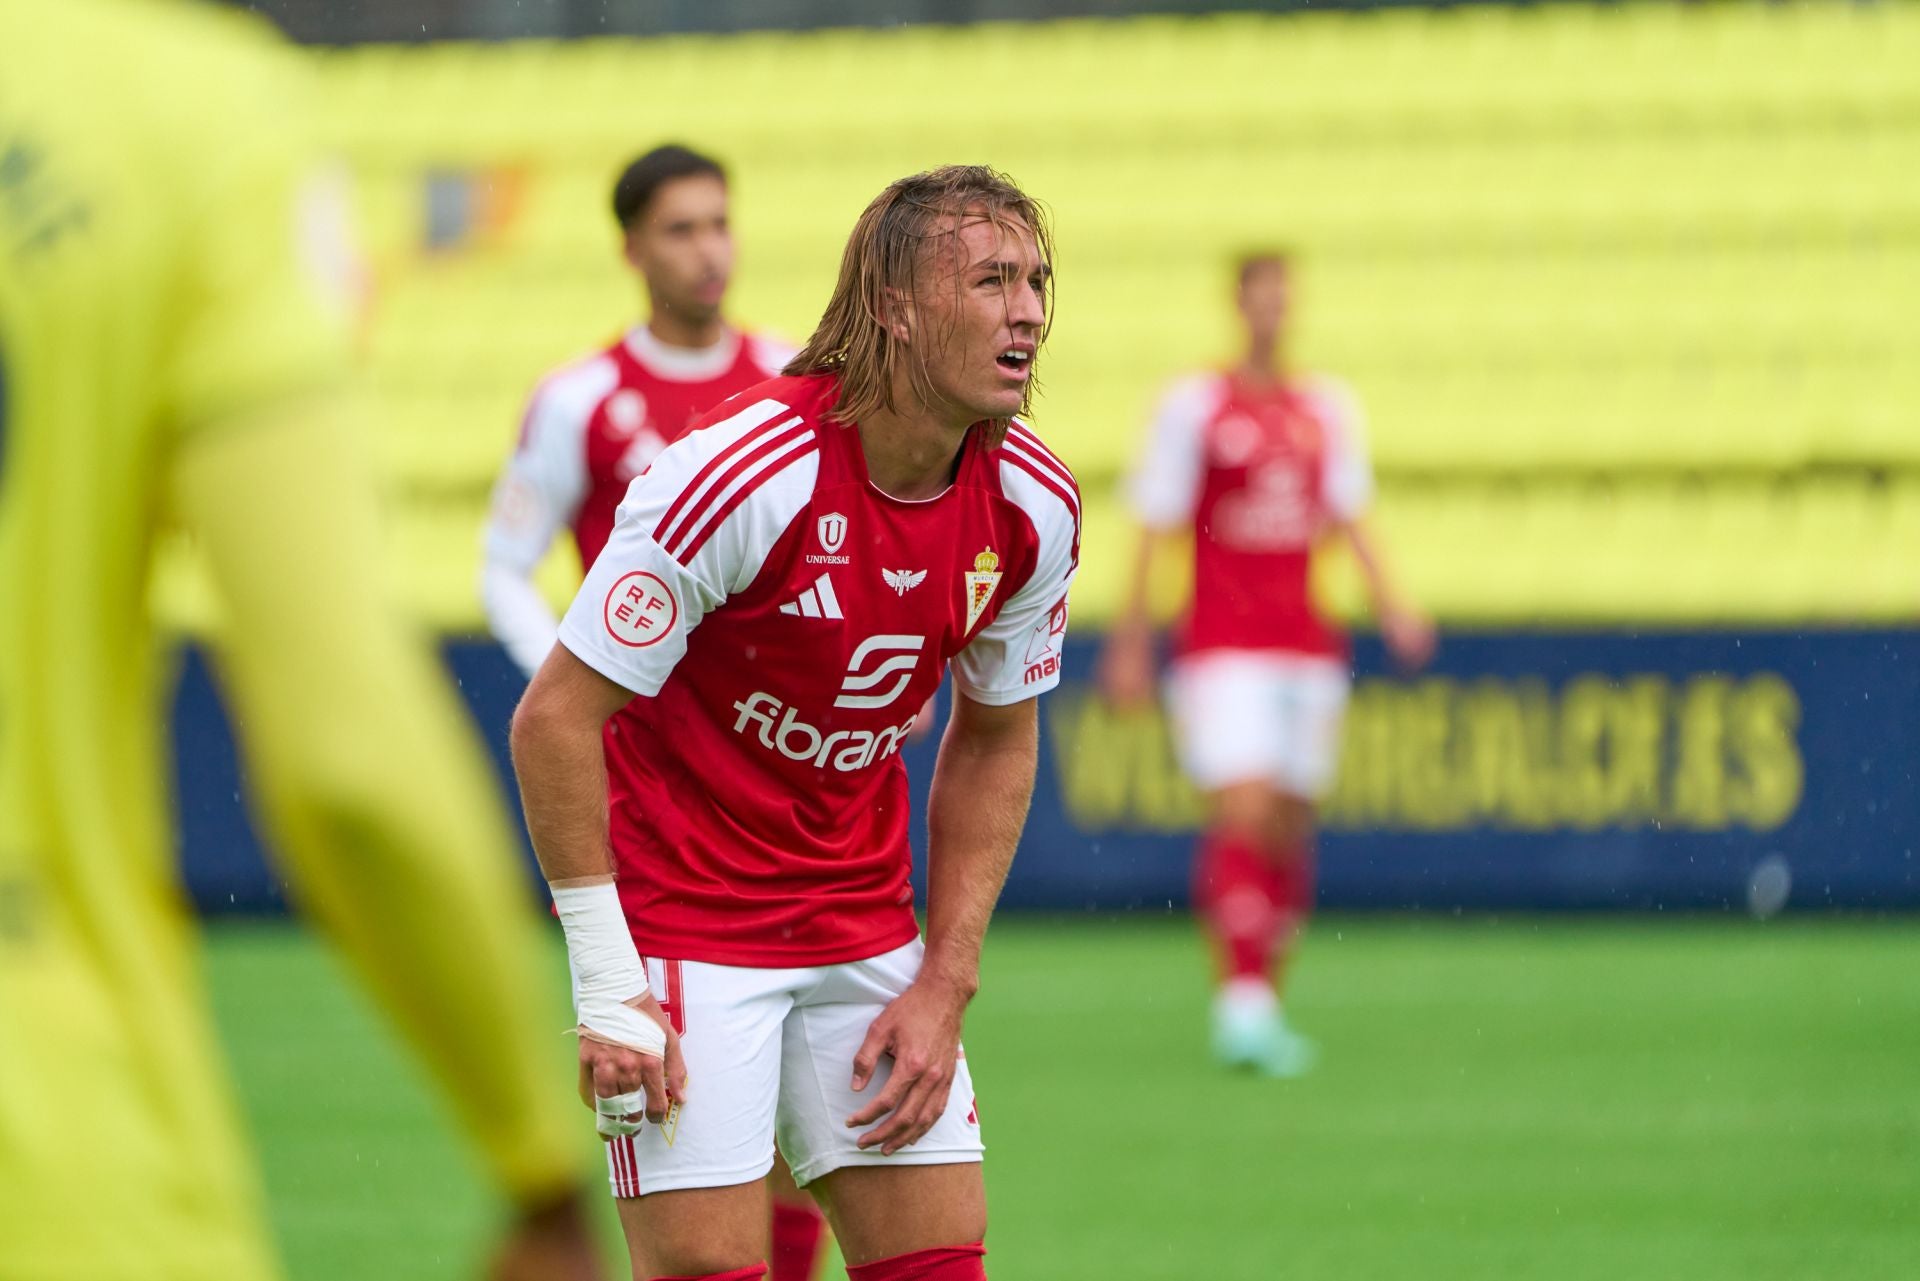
<point x="607" y="972"/>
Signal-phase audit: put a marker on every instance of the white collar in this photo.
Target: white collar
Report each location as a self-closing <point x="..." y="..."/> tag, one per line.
<point x="683" y="364"/>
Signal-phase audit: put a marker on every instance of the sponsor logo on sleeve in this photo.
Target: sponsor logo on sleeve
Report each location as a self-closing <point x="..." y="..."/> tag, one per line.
<point x="640" y="610"/>
<point x="1043" y="648"/>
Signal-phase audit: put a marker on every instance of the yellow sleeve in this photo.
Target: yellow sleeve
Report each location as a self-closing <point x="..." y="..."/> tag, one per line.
<point x="263" y="288"/>
<point x="378" y="796"/>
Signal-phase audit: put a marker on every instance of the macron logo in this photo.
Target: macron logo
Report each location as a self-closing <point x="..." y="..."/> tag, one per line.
<point x="818" y="601"/>
<point x="892" y="656"/>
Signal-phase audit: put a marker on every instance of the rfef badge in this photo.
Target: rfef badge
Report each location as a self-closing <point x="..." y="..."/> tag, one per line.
<point x="980" y="585"/>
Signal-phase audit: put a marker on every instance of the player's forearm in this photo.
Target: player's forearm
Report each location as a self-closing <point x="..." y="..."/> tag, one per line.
<point x="1135" y="615"/>
<point x="1380" y="589"/>
<point x="982" y="785"/>
<point x="559" y="761"/>
<point x="518" y="615"/>
<point x="386" y="820"/>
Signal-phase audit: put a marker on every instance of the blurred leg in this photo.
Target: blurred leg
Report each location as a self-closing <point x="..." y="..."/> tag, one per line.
<point x="799" y="1229"/>
<point x="1290" y="849"/>
<point x="1236" y="885"/>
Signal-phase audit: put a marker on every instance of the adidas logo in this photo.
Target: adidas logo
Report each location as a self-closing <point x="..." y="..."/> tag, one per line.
<point x="818" y="601"/>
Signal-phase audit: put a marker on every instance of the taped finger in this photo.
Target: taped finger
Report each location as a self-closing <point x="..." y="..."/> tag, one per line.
<point x="620" y="1115"/>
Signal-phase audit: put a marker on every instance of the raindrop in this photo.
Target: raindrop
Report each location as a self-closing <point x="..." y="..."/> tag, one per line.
<point x="1769" y="886"/>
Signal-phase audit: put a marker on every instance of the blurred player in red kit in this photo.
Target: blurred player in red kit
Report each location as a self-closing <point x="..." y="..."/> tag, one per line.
<point x="710" y="769"/>
<point x="1258" y="463"/>
<point x="596" y="423"/>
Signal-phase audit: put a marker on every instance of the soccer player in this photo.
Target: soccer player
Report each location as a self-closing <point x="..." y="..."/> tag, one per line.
<point x="783" y="590"/>
<point x="597" y="423"/>
<point x="1258" y="464"/>
<point x="167" y="347"/>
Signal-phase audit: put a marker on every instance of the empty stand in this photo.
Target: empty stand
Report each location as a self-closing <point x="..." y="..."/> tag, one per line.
<point x="1629" y="291"/>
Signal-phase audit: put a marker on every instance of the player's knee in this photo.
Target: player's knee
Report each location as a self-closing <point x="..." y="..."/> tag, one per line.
<point x="1290" y="823"/>
<point x="1245" y="810"/>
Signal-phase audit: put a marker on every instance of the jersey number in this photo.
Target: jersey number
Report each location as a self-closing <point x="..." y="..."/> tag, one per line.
<point x="668" y="993"/>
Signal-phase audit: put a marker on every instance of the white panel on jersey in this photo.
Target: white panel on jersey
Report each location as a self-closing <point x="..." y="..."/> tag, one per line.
<point x="538" y="494"/>
<point x="641" y="601"/>
<point x="546" y="480"/>
<point x="1346" y="473"/>
<point x="1166" y="488"/>
<point x="993" y="669"/>
<point x="711" y="493"/>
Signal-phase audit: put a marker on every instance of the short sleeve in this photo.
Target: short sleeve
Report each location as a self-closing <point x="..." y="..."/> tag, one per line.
<point x="270" y="278"/>
<point x="695" y="528"/>
<point x="1165" y="489"/>
<point x="1347" y="478"/>
<point x="1017" y="655"/>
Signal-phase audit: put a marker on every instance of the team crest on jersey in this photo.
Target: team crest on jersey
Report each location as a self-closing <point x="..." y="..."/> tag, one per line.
<point x="833" y="532"/>
<point x="981" y="584"/>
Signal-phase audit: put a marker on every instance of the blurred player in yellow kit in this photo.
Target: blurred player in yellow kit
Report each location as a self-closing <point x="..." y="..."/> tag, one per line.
<point x="168" y="350"/>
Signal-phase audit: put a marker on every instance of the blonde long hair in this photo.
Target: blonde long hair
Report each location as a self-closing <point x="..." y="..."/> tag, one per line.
<point x="888" y="250"/>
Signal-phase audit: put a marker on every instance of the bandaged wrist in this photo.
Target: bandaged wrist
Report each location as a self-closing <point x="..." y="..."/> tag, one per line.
<point x="607" y="972"/>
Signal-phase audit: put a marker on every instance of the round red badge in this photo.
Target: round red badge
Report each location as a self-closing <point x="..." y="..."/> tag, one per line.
<point x="640" y="610"/>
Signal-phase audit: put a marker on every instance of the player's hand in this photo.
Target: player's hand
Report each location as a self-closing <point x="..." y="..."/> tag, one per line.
<point x="1126" y="670"/>
<point x="920" y="1031"/>
<point x="549" y="1243"/>
<point x="1409" y="635"/>
<point x="610" y="1071"/>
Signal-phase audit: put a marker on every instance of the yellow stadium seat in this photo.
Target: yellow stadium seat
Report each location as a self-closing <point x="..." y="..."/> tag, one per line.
<point x="1625" y="289"/>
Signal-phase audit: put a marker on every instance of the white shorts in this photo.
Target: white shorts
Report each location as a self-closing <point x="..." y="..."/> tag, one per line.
<point x="1245" y="715"/>
<point x="770" y="1052"/>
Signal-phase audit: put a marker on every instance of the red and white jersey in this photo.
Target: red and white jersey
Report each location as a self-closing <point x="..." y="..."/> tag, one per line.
<point x="595" y="424"/>
<point x="783" y="622"/>
<point x="1258" y="474"/>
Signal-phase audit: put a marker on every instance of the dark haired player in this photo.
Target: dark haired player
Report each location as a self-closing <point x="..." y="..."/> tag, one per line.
<point x="1258" y="463"/>
<point x="595" y="424"/>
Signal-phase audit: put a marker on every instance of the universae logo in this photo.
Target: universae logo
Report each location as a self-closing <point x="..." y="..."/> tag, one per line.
<point x="832" y="529"/>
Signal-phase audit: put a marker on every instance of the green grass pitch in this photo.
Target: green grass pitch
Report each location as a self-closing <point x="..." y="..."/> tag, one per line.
<point x="1562" y="1099"/>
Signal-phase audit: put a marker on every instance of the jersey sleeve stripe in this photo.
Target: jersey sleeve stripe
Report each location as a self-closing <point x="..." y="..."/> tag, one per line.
<point x="1062" y="485"/>
<point x="753" y="472"/>
<point x="752" y="423"/>
<point x="770" y="440"/>
<point x="1067" y="494"/>
<point x="1039" y="453"/>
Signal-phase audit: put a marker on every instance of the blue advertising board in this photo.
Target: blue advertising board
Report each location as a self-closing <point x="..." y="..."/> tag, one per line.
<point x="1525" y="770"/>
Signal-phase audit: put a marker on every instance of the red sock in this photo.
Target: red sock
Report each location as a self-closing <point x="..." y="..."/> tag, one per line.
<point x="752" y="1272"/>
<point x="1237" y="891"/>
<point x="798" y="1230"/>
<point x="1294" y="880"/>
<point x="942" y="1263"/>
